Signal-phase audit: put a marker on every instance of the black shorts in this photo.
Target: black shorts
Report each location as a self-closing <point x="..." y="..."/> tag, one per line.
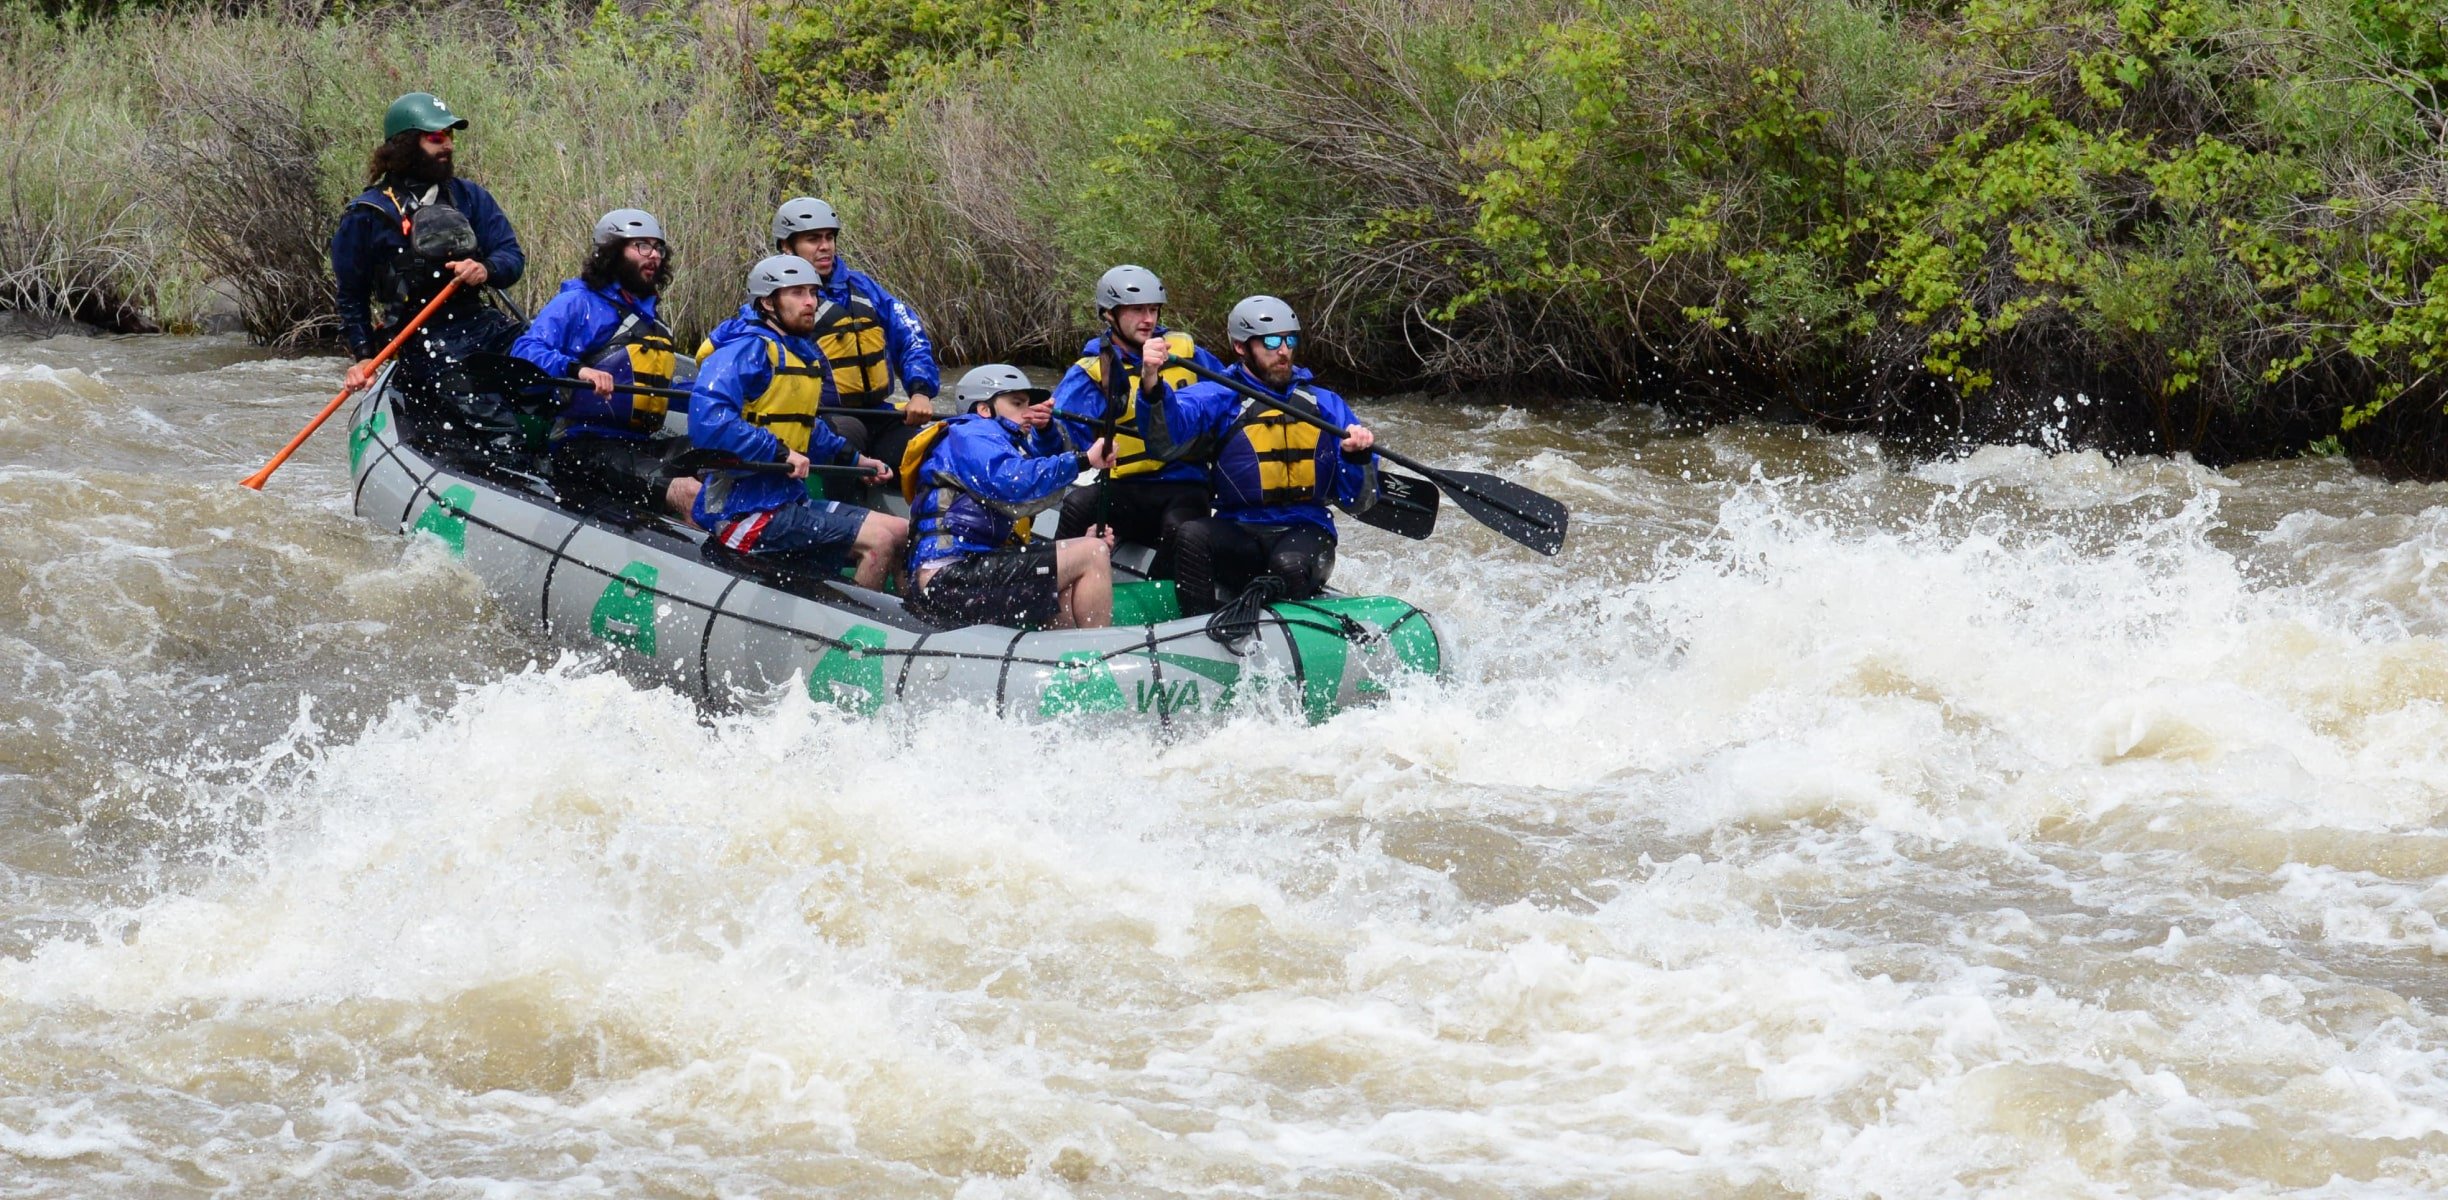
<point x="1008" y="587"/>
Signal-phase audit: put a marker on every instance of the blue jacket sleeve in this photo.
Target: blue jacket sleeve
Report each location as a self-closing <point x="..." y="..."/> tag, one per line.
<point x="905" y="340"/>
<point x="559" y="328"/>
<point x="353" y="279"/>
<point x="503" y="259"/>
<point x="989" y="465"/>
<point x="1355" y="482"/>
<point x="1078" y="402"/>
<point x="1201" y="410"/>
<point x="724" y="381"/>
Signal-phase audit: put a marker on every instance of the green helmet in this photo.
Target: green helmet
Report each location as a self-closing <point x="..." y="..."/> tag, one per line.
<point x="420" y="111"/>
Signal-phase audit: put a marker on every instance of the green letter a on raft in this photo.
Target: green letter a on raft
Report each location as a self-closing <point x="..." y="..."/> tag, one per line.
<point x="1083" y="682"/>
<point x="851" y="674"/>
<point x="446" y="517"/>
<point x="625" y="613"/>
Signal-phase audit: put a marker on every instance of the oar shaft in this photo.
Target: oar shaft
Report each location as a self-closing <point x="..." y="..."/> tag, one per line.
<point x="683" y="394"/>
<point x="1311" y="416"/>
<point x="256" y="480"/>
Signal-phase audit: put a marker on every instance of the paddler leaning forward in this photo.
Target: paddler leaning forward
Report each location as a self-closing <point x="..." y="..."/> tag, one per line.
<point x="756" y="398"/>
<point x="974" y="483"/>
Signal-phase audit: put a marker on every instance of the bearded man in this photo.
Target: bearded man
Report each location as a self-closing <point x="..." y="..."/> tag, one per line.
<point x="607" y="438"/>
<point x="416" y="227"/>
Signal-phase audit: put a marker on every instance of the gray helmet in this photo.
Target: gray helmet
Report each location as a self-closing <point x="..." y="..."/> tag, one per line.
<point x="800" y="216"/>
<point x="983" y="384"/>
<point x="1260" y="315"/>
<point x="779" y="271"/>
<point x="623" y="223"/>
<point x="1127" y="284"/>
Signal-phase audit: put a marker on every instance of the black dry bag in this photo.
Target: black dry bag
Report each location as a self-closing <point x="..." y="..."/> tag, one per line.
<point x="440" y="233"/>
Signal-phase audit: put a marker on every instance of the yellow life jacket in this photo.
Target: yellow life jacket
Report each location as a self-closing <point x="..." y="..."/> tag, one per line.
<point x="1286" y="450"/>
<point x="788" y="408"/>
<point x="852" y="338"/>
<point x="1131" y="455"/>
<point x="652" y="361"/>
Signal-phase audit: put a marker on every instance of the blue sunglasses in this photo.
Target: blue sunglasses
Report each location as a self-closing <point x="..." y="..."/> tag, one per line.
<point x="1277" y="341"/>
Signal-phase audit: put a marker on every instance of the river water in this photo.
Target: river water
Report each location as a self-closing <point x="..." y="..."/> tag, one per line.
<point x="1819" y="823"/>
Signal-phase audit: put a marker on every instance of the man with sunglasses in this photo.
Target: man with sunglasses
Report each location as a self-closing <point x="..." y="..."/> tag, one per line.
<point x="602" y="327"/>
<point x="1274" y="474"/>
<point x="416" y="227"/>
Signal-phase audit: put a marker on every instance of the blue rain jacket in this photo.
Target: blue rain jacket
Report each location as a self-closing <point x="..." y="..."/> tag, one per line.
<point x="978" y="481"/>
<point x="1213" y="411"/>
<point x="1079" y="400"/>
<point x="571" y="329"/>
<point x="739" y="371"/>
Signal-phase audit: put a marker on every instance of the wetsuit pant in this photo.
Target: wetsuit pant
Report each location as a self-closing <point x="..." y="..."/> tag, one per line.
<point x="632" y="471"/>
<point x="1215" y="554"/>
<point x="450" y="413"/>
<point x="1148" y="514"/>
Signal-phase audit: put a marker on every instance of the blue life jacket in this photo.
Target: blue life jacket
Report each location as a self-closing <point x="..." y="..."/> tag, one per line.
<point x="976" y="486"/>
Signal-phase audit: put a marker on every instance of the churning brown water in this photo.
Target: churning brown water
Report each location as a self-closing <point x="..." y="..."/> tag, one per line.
<point x="1818" y="824"/>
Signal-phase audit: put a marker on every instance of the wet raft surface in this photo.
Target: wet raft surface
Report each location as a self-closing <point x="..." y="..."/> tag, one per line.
<point x="1817" y="824"/>
<point x="672" y="611"/>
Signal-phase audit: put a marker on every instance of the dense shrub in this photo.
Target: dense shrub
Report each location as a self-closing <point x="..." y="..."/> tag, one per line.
<point x="2219" y="223"/>
<point x="2218" y="219"/>
<point x="192" y="148"/>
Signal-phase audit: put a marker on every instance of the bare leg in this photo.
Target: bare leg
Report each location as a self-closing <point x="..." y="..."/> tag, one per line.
<point x="1083" y="571"/>
<point x="880" y="538"/>
<point x="681" y="495"/>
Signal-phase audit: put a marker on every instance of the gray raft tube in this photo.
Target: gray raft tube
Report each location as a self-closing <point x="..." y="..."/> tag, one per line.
<point x="648" y="592"/>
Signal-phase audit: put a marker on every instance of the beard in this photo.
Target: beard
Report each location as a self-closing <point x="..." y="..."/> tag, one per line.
<point x="1278" y="377"/>
<point x="429" y="168"/>
<point x="642" y="281"/>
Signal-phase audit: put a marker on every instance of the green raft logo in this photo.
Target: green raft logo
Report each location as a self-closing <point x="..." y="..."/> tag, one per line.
<point x="625" y="614"/>
<point x="446" y="518"/>
<point x="1083" y="682"/>
<point x="851" y="674"/>
<point x="363" y="435"/>
<point x="1186" y="695"/>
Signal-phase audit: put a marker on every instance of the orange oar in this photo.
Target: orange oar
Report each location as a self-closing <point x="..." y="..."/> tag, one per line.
<point x="256" y="480"/>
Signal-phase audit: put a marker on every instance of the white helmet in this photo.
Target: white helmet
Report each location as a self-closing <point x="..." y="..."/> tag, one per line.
<point x="623" y="223"/>
<point x="1258" y="316"/>
<point x="983" y="384"/>
<point x="802" y="215"/>
<point x="1127" y="284"/>
<point x="777" y="272"/>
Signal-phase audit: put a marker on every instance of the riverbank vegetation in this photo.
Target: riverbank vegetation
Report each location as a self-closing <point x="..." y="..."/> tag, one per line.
<point x="2216" y="226"/>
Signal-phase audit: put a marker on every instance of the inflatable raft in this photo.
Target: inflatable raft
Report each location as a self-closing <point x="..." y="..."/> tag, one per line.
<point x="650" y="591"/>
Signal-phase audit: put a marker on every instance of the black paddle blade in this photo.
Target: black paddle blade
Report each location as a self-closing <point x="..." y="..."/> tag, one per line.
<point x="1528" y="517"/>
<point x="1405" y="507"/>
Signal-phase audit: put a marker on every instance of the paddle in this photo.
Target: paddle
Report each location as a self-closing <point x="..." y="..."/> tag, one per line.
<point x="510" y="373"/>
<point x="256" y="480"/>
<point x="1528" y="517"/>
<point x="691" y="462"/>
<point x="1405" y="507"/>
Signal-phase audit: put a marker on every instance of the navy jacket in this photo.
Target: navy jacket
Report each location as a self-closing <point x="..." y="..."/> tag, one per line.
<point x="369" y="238"/>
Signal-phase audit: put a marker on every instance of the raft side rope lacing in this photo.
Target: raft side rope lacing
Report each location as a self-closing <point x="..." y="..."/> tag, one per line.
<point x="1345" y="627"/>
